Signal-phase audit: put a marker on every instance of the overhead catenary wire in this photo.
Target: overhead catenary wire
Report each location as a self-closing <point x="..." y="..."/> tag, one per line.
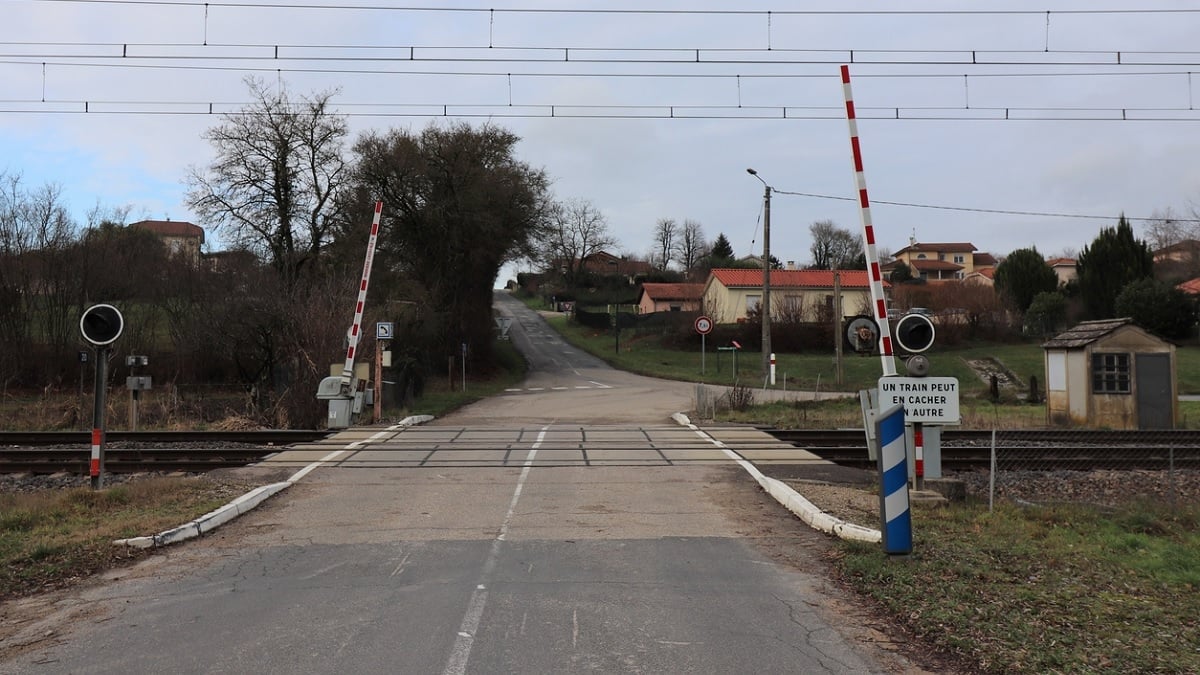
<point x="635" y="11"/>
<point x="1006" y="212"/>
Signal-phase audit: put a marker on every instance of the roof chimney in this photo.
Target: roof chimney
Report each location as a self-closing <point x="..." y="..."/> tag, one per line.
<point x="791" y="264"/>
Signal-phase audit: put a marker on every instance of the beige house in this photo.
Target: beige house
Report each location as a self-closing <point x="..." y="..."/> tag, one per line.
<point x="729" y="294"/>
<point x="1110" y="374"/>
<point x="656" y="297"/>
<point x="182" y="239"/>
<point x="942" y="261"/>
<point x="1064" y="269"/>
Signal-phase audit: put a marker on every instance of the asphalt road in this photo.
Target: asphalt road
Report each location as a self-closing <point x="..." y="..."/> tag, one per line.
<point x="371" y="566"/>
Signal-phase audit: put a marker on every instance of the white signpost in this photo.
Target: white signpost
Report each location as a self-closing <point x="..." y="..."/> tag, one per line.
<point x="703" y="326"/>
<point x="928" y="400"/>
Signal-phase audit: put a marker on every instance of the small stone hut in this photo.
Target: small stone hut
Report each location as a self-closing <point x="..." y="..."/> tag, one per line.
<point x="1110" y="374"/>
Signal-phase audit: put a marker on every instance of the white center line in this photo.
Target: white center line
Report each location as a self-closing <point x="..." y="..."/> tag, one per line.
<point x="465" y="639"/>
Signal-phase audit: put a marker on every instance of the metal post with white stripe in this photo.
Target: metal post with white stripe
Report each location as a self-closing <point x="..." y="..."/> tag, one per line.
<point x="895" y="516"/>
<point x="878" y="299"/>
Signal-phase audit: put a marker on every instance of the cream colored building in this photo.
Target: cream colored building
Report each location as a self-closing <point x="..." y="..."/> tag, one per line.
<point x="660" y="297"/>
<point x="181" y="239"/>
<point x="1110" y="374"/>
<point x="942" y="261"/>
<point x="730" y="294"/>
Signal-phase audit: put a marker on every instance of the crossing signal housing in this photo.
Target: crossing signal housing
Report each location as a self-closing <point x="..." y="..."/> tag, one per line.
<point x="101" y="324"/>
<point x="914" y="333"/>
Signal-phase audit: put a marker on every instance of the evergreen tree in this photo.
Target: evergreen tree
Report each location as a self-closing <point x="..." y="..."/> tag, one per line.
<point x="721" y="249"/>
<point x="1113" y="261"/>
<point x="1158" y="307"/>
<point x="900" y="273"/>
<point x="1023" y="275"/>
<point x="1046" y="313"/>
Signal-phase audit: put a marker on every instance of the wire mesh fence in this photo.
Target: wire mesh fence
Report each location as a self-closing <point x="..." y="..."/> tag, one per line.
<point x="1094" y="467"/>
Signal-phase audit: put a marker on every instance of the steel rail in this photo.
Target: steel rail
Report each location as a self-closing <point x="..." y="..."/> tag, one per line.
<point x="83" y="438"/>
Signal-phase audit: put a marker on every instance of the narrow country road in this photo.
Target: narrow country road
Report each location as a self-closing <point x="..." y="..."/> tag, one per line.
<point x="565" y="526"/>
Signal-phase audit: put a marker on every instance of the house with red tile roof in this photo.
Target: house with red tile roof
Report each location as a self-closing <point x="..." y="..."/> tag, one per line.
<point x="659" y="297"/>
<point x="1190" y="287"/>
<point x="1064" y="268"/>
<point x="941" y="261"/>
<point x="729" y="294"/>
<point x="181" y="238"/>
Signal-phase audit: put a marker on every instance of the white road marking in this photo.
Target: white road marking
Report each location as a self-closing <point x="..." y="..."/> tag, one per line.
<point x="574" y="629"/>
<point x="461" y="652"/>
<point x="400" y="568"/>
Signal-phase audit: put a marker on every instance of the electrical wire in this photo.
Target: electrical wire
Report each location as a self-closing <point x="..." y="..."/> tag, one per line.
<point x="1007" y="212"/>
<point x="642" y="11"/>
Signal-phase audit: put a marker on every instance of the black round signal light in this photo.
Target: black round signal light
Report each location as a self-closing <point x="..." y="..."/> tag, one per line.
<point x="914" y="333"/>
<point x="101" y="324"/>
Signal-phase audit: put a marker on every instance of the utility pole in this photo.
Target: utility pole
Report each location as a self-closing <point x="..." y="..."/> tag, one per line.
<point x="766" y="294"/>
<point x="837" y="323"/>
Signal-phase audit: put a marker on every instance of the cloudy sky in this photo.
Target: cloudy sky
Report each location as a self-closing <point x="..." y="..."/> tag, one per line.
<point x="1016" y="114"/>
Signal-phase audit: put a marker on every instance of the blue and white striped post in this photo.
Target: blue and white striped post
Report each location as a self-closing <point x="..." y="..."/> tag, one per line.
<point x="893" y="474"/>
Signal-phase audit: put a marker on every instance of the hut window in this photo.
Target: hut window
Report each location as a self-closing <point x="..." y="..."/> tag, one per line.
<point x="1110" y="373"/>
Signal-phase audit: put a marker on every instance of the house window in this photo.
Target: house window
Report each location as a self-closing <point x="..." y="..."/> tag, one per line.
<point x="1110" y="373"/>
<point x="752" y="302"/>
<point x="959" y="260"/>
<point x="676" y="308"/>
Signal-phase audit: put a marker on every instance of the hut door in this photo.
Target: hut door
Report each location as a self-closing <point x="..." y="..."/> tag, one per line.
<point x="1154" y="405"/>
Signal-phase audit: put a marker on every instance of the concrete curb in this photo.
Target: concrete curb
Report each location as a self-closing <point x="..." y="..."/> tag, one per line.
<point x="243" y="504"/>
<point x="209" y="521"/>
<point x="791" y="500"/>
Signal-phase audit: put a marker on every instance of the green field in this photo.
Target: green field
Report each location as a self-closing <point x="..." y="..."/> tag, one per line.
<point x="817" y="372"/>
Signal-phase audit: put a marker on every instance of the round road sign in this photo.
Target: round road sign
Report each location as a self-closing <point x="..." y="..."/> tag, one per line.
<point x="704" y="325"/>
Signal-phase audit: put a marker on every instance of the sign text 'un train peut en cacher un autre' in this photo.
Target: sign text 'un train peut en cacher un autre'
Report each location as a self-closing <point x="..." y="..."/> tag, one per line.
<point x="929" y="400"/>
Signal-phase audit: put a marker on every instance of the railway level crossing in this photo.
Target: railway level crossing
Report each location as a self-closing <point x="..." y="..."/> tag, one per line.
<point x="557" y="445"/>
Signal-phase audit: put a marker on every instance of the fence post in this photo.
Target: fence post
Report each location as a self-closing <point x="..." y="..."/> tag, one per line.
<point x="1171" y="472"/>
<point x="992" y="476"/>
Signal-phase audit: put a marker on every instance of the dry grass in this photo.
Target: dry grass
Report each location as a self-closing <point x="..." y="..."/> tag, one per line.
<point x="1063" y="589"/>
<point x="50" y="536"/>
<point x="166" y="407"/>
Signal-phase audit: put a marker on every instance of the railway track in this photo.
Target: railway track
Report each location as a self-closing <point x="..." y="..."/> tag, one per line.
<point x="1037" y="450"/>
<point x="46" y="452"/>
<point x="1043" y="449"/>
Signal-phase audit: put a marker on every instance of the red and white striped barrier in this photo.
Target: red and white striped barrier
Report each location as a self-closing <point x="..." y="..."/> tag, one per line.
<point x="878" y="299"/>
<point x="355" y="328"/>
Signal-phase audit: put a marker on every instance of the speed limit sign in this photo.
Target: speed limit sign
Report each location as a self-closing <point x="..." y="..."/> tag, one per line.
<point x="704" y="325"/>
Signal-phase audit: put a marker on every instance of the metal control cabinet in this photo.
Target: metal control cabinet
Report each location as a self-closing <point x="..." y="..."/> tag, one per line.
<point x="332" y="389"/>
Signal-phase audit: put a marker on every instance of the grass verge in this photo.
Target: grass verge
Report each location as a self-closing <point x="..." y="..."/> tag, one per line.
<point x="1064" y="589"/>
<point x="50" y="536"/>
<point x="446" y="394"/>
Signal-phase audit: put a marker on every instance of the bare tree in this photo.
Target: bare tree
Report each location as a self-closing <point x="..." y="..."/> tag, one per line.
<point x="577" y="230"/>
<point x="271" y="188"/>
<point x="58" y="300"/>
<point x="833" y="248"/>
<point x="664" y="242"/>
<point x="1165" y="230"/>
<point x="692" y="246"/>
<point x="40" y="279"/>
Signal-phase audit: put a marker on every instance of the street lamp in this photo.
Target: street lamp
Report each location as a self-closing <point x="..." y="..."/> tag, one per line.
<point x="766" y="294"/>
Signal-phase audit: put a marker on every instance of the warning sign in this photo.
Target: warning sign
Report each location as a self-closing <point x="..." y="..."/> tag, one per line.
<point x="929" y="400"/>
